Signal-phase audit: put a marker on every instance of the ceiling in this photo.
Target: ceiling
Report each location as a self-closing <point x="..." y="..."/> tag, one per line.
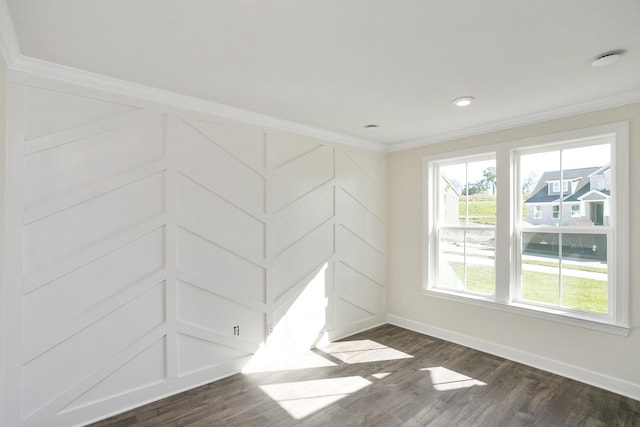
<point x="339" y="65"/>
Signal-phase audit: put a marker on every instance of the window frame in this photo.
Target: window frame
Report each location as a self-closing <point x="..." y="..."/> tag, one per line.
<point x="509" y="206"/>
<point x="440" y="226"/>
<point x="576" y="213"/>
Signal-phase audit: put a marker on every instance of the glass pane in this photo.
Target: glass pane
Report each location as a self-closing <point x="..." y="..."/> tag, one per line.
<point x="480" y="261"/>
<point x="467" y="260"/>
<point x="537" y="193"/>
<point x="567" y="187"/>
<point x="540" y="268"/>
<point x="451" y="267"/>
<point x="468" y="193"/>
<point x="585" y="272"/>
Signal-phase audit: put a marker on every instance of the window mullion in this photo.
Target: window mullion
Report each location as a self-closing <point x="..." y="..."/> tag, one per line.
<point x="506" y="196"/>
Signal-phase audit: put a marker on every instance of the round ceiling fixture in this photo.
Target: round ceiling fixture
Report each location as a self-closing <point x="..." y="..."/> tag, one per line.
<point x="607" y="59"/>
<point x="463" y="101"/>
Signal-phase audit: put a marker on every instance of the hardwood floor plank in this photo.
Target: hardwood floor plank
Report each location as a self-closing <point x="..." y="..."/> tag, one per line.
<point x="387" y="377"/>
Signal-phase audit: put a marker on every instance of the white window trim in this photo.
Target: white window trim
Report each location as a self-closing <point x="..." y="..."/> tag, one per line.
<point x="508" y="203"/>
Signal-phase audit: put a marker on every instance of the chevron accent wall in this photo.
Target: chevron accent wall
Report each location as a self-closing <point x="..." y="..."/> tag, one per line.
<point x="154" y="250"/>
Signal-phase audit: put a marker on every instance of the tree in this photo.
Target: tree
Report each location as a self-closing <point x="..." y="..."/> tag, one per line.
<point x="474" y="188"/>
<point x="489" y="180"/>
<point x="529" y="184"/>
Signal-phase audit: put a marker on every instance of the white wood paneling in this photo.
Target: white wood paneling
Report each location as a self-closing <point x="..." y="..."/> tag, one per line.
<point x="298" y="177"/>
<point x="70" y="231"/>
<point x="198" y="354"/>
<point x="360" y="270"/>
<point x="157" y="249"/>
<point x="233" y="229"/>
<point x="214" y="267"/>
<point x="300" y="259"/>
<point x="69" y="111"/>
<point x="54" y="373"/>
<point x="76" y="164"/>
<point x="144" y="370"/>
<point x="205" y="162"/>
<point x="90" y="285"/>
<point x="218" y="314"/>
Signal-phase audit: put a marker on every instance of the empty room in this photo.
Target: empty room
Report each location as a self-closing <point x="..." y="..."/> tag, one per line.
<point x="345" y="213"/>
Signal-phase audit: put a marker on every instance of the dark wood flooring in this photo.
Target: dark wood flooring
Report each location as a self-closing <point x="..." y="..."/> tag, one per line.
<point x="390" y="376"/>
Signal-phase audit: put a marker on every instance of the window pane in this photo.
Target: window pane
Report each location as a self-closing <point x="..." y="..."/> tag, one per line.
<point x="467" y="260"/>
<point x="540" y="280"/>
<point x="451" y="269"/>
<point x="583" y="174"/>
<point x="565" y="270"/>
<point x="585" y="272"/>
<point x="468" y="193"/>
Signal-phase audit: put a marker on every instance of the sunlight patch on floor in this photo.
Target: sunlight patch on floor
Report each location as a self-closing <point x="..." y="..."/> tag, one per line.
<point x="273" y="360"/>
<point x="381" y="375"/>
<point x="303" y="398"/>
<point x="362" y="351"/>
<point x="444" y="379"/>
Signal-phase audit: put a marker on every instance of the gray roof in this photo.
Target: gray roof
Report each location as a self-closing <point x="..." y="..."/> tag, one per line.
<point x="541" y="194"/>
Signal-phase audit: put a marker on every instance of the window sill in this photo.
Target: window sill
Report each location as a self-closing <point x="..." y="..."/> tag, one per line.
<point x="537" y="312"/>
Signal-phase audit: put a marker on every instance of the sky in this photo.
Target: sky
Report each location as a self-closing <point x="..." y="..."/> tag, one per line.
<point x="538" y="163"/>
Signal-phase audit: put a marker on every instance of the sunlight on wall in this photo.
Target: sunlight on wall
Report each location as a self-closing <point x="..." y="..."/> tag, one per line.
<point x="444" y="379"/>
<point x="303" y="398"/>
<point x="299" y="326"/>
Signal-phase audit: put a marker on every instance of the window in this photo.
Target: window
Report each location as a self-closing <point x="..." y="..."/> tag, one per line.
<point x="465" y="225"/>
<point x="537" y="212"/>
<point x="575" y="211"/>
<point x="556" y="186"/>
<point x="570" y="264"/>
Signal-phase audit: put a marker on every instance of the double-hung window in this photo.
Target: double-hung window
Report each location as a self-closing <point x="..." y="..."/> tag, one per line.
<point x="465" y="224"/>
<point x="496" y="236"/>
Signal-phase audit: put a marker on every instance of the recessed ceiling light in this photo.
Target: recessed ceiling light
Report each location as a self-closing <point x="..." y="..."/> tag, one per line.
<point x="607" y="58"/>
<point x="463" y="101"/>
<point x="371" y="126"/>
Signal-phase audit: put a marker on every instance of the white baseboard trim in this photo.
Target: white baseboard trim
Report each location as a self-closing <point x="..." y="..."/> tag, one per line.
<point x="339" y="334"/>
<point x="615" y="385"/>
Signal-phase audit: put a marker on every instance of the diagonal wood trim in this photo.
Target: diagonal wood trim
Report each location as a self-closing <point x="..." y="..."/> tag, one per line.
<point x="72" y="263"/>
<point x="361" y="273"/>
<point x="89" y="317"/>
<point x="215" y="338"/>
<point x="257" y="216"/>
<point x="189" y="228"/>
<point x="45" y="414"/>
<point x="223" y="291"/>
<point x="89" y="130"/>
<point x="93" y="191"/>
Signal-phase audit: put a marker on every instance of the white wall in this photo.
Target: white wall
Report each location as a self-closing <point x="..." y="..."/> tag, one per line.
<point x="141" y="235"/>
<point x="606" y="360"/>
<point x="3" y="320"/>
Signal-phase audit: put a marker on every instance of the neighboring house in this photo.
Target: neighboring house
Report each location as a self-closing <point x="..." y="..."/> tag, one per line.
<point x="584" y="198"/>
<point x="451" y="205"/>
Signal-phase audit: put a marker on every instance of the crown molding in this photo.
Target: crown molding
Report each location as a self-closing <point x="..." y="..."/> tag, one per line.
<point x="8" y="40"/>
<point x="48" y="70"/>
<point x="39" y="68"/>
<point x="559" y="113"/>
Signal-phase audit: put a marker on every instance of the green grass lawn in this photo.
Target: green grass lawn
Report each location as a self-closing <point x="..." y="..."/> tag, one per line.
<point x="577" y="293"/>
<point x="482" y="209"/>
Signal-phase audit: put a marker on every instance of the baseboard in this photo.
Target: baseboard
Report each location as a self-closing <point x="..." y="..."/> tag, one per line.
<point x="355" y="329"/>
<point x="615" y="385"/>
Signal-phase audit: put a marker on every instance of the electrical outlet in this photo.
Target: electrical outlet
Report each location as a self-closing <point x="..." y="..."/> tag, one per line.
<point x="236" y="330"/>
<point x="269" y="328"/>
